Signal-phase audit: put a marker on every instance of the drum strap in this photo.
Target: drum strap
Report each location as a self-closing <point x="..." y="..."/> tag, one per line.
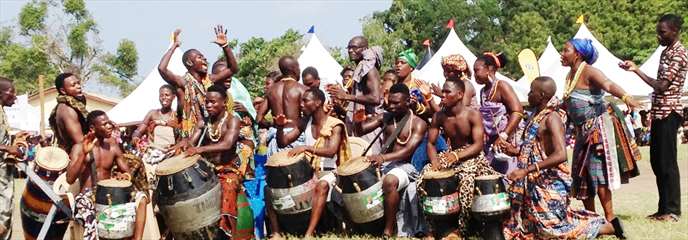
<point x="94" y="173"/>
<point x="395" y="134"/>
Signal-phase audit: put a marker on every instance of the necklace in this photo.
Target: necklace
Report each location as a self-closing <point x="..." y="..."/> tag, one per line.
<point x="215" y="130"/>
<point x="571" y="82"/>
<point x="410" y="131"/>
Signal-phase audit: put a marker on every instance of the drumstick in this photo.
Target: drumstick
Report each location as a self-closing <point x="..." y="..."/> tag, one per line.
<point x="200" y="140"/>
<point x="374" y="139"/>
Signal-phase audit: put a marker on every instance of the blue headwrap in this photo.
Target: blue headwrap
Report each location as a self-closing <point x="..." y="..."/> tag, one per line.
<point x="585" y="48"/>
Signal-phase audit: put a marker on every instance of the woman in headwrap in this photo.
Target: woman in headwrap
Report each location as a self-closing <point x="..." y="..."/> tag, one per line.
<point x="456" y="69"/>
<point x="499" y="106"/>
<point x="420" y="90"/>
<point x="604" y="155"/>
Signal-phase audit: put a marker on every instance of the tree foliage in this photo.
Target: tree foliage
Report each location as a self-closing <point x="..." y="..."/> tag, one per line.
<point x="625" y="27"/>
<point x="70" y="45"/>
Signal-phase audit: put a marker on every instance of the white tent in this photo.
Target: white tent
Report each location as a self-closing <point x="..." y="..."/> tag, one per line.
<point x="314" y="54"/>
<point x="609" y="65"/>
<point x="144" y="98"/>
<point x="550" y="65"/>
<point x="23" y="116"/>
<point x="432" y="71"/>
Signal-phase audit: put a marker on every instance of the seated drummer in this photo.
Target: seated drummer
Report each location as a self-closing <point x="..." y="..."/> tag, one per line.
<point x="98" y="153"/>
<point x="325" y="139"/>
<point x="395" y="156"/>
<point x="463" y="128"/>
<point x="159" y="124"/>
<point x="542" y="171"/>
<point x="219" y="147"/>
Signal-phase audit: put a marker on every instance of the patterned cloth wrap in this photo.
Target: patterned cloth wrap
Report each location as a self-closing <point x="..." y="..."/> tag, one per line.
<point x="193" y="103"/>
<point x="236" y="216"/>
<point x="604" y="154"/>
<point x="6" y="182"/>
<point x="540" y="202"/>
<point x="85" y="213"/>
<point x="495" y="119"/>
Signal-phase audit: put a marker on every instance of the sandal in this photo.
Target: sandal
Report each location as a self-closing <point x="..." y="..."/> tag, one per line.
<point x="667" y="218"/>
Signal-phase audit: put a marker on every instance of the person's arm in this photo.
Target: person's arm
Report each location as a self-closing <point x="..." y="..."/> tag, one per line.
<point x="78" y="159"/>
<point x="71" y="118"/>
<point x="165" y="73"/>
<point x="433" y="134"/>
<point x="658" y="85"/>
<point x="122" y="164"/>
<point x="228" y="140"/>
<point x="143" y="125"/>
<point x="232" y="66"/>
<point x="284" y="139"/>
<point x="468" y="95"/>
<point x="555" y="127"/>
<point x="198" y="131"/>
<point x="369" y="125"/>
<point x="513" y="107"/>
<point x="405" y="153"/>
<point x="598" y="79"/>
<point x="331" y="146"/>
<point x="373" y="84"/>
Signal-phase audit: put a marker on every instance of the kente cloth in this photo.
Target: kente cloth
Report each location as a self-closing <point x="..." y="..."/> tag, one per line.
<point x="236" y="216"/>
<point x="85" y="213"/>
<point x="495" y="119"/>
<point x="540" y="204"/>
<point x="6" y="181"/>
<point x="193" y="103"/>
<point x="603" y="154"/>
<point x="456" y="62"/>
<point x="372" y="58"/>
<point x="72" y="102"/>
<point x="344" y="152"/>
<point x="409" y="57"/>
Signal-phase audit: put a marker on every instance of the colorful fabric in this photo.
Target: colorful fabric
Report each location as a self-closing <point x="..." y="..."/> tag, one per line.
<point x="457" y="63"/>
<point x="240" y="94"/>
<point x="540" y="201"/>
<point x="85" y="213"/>
<point x="585" y="48"/>
<point x="409" y="57"/>
<point x="673" y="67"/>
<point x="234" y="216"/>
<point x="193" y="103"/>
<point x="603" y="154"/>
<point x="6" y="182"/>
<point x="495" y="119"/>
<point x="372" y="58"/>
<point x="467" y="171"/>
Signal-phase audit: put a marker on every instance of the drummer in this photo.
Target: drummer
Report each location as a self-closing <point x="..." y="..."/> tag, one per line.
<point x="98" y="153"/>
<point x="463" y="128"/>
<point x="218" y="145"/>
<point x="159" y="124"/>
<point x="7" y="98"/>
<point x="395" y="155"/>
<point x="326" y="141"/>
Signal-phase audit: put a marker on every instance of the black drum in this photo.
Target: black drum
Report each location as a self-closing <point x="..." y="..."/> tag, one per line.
<point x="361" y="187"/>
<point x="490" y="205"/>
<point x="291" y="183"/>
<point x="35" y="205"/>
<point x="439" y="191"/>
<point x="115" y="196"/>
<point x="189" y="197"/>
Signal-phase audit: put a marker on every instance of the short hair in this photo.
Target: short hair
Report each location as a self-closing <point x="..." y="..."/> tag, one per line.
<point x="310" y="71"/>
<point x="91" y="117"/>
<point x="168" y="87"/>
<point x="220" y="62"/>
<point x="459" y="84"/>
<point x="319" y="94"/>
<point x="60" y="79"/>
<point x="399" y="88"/>
<point x="552" y="89"/>
<point x="391" y="71"/>
<point x="674" y="21"/>
<point x="497" y="60"/>
<point x="218" y="88"/>
<point x="5" y="83"/>
<point x="286" y="63"/>
<point x="187" y="55"/>
<point x="346" y="68"/>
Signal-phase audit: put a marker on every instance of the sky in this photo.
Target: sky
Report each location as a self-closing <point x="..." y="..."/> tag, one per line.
<point x="149" y="23"/>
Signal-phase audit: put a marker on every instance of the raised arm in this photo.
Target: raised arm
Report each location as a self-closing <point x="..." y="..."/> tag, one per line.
<point x="598" y="79"/>
<point x="232" y="66"/>
<point x="513" y="107"/>
<point x="78" y="159"/>
<point x="165" y="73"/>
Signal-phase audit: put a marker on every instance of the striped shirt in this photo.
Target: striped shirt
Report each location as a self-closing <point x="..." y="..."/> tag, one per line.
<point x="673" y="67"/>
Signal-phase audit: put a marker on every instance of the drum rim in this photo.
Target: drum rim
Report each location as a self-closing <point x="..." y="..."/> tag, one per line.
<point x="489" y="177"/>
<point x="356" y="141"/>
<point x="348" y="168"/>
<point x="273" y="162"/>
<point x="441" y="174"/>
<point x="54" y="154"/>
<point x="165" y="167"/>
<point x="114" y="183"/>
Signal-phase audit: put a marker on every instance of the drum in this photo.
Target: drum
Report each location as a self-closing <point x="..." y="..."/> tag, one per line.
<point x="490" y="205"/>
<point x="361" y="187"/>
<point x="291" y="183"/>
<point x="116" y="209"/>
<point x="35" y="205"/>
<point x="188" y="195"/>
<point x="357" y="146"/>
<point x="439" y="191"/>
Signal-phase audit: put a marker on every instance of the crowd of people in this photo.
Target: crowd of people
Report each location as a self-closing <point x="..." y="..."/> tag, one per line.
<point x="389" y="122"/>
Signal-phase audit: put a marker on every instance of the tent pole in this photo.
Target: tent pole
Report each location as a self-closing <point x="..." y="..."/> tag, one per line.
<point x="41" y="99"/>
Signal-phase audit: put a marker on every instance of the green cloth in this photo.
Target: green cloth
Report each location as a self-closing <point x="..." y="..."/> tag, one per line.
<point x="410" y="57"/>
<point x="241" y="94"/>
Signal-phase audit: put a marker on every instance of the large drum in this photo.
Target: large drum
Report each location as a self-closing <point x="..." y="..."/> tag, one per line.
<point x="35" y="205"/>
<point x="116" y="209"/>
<point x="291" y="183"/>
<point x="439" y="192"/>
<point x="362" y="194"/>
<point x="188" y="196"/>
<point x="490" y="205"/>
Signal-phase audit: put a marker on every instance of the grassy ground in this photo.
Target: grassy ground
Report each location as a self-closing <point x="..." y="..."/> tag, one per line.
<point x="631" y="203"/>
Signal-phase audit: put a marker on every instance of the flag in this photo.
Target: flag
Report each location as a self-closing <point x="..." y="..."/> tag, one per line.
<point x="450" y="24"/>
<point x="312" y="29"/>
<point x="581" y="19"/>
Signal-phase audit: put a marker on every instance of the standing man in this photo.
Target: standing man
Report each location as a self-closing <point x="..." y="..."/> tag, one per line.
<point x="402" y="132"/>
<point x="191" y="87"/>
<point x="7" y="98"/>
<point x="666" y="115"/>
<point x="285" y="99"/>
<point x="68" y="118"/>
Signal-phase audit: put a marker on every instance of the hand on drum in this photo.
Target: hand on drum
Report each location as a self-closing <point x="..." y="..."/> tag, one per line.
<point x="517" y="174"/>
<point x="376" y="160"/>
<point x="193" y="151"/>
<point x="298" y="150"/>
<point x="180" y="147"/>
<point x="122" y="176"/>
<point x="506" y="147"/>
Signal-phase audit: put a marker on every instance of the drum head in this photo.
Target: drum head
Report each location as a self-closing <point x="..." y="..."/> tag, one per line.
<point x="353" y="166"/>
<point x="282" y="159"/>
<point x="441" y="174"/>
<point x="489" y="177"/>
<point x="114" y="183"/>
<point x="358" y="145"/>
<point x="176" y="164"/>
<point x="52" y="158"/>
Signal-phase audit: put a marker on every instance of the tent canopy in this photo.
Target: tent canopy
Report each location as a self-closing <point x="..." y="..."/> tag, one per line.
<point x="315" y="55"/>
<point x="23" y="116"/>
<point x="550" y="65"/>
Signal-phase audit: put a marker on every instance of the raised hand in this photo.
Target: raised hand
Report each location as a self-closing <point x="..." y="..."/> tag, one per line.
<point x="89" y="142"/>
<point x="628" y="66"/>
<point x="175" y="38"/>
<point x="220" y="36"/>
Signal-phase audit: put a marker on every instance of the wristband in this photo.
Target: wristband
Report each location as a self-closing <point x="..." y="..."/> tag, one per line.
<point x="225" y="45"/>
<point x="625" y="98"/>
